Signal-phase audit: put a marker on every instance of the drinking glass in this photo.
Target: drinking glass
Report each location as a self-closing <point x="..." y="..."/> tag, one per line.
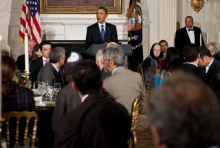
<point x="50" y="92"/>
<point x="57" y="88"/>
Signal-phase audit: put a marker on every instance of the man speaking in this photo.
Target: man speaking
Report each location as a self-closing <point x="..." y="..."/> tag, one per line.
<point x="101" y="32"/>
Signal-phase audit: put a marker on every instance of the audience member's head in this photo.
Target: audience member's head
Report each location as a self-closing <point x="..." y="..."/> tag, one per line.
<point x="57" y="56"/>
<point x="213" y="47"/>
<point x="184" y="113"/>
<point x="189" y="22"/>
<point x="45" y="47"/>
<point x="86" y="77"/>
<point x="31" y="44"/>
<point x="205" y="56"/>
<point x="191" y="53"/>
<point x="4" y="52"/>
<point x="164" y="46"/>
<point x="71" y="61"/>
<point x="101" y="14"/>
<point x="8" y="67"/>
<point x="113" y="57"/>
<point x="99" y="59"/>
<point x="155" y="52"/>
<point x="36" y="53"/>
<point x="172" y="60"/>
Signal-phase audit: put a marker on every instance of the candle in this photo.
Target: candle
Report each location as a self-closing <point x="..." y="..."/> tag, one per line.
<point x="26" y="53"/>
<point x="207" y="38"/>
<point x="200" y="39"/>
<point x="0" y="37"/>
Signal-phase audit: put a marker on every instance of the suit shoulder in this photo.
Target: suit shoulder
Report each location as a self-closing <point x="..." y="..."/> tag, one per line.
<point x="110" y="25"/>
<point x="92" y="26"/>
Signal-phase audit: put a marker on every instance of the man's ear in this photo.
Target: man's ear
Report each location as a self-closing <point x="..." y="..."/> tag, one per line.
<point x="157" y="138"/>
<point x="74" y="86"/>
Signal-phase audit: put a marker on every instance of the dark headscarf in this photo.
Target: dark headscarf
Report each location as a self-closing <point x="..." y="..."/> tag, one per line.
<point x="152" y="53"/>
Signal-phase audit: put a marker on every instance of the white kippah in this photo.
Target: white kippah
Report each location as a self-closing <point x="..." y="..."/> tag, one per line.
<point x="73" y="57"/>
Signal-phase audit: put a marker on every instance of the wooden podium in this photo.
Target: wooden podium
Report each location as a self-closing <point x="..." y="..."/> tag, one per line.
<point x="92" y="50"/>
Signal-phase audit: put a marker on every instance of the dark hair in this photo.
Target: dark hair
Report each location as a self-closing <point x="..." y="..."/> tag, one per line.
<point x="34" y="55"/>
<point x="189" y="17"/>
<point x="87" y="77"/>
<point x="203" y="50"/>
<point x="44" y="43"/>
<point x="161" y="41"/>
<point x="8" y="72"/>
<point x="103" y="8"/>
<point x="172" y="60"/>
<point x="186" y="108"/>
<point x="56" y="54"/>
<point x="152" y="53"/>
<point x="191" y="52"/>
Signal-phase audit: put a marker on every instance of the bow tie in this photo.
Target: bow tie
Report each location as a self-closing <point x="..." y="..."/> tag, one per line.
<point x="190" y="29"/>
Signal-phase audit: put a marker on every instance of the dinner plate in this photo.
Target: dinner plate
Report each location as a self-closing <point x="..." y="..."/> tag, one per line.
<point x="46" y="104"/>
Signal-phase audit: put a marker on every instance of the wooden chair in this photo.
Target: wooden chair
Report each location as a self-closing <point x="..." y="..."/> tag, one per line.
<point x="134" y="114"/>
<point x="18" y="115"/>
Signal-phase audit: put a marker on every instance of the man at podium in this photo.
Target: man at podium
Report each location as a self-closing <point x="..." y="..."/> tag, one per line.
<point x="101" y="32"/>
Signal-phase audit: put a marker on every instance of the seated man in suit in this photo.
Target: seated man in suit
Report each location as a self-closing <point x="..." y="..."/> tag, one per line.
<point x="184" y="114"/>
<point x="212" y="69"/>
<point x="53" y="72"/>
<point x="67" y="98"/>
<point x="214" y="49"/>
<point x="37" y="64"/>
<point x="191" y="56"/>
<point x="187" y="35"/>
<point x="21" y="59"/>
<point x="97" y="122"/>
<point x="124" y="85"/>
<point x="101" y="32"/>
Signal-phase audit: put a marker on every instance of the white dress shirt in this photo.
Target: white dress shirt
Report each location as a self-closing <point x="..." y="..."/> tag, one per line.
<point x="191" y="35"/>
<point x="100" y="26"/>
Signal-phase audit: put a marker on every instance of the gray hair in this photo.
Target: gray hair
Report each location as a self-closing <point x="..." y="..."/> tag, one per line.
<point x="116" y="53"/>
<point x="56" y="54"/>
<point x="215" y="47"/>
<point x="99" y="55"/>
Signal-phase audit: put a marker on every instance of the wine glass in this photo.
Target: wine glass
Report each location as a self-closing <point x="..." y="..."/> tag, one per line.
<point x="50" y="92"/>
<point x="57" y="88"/>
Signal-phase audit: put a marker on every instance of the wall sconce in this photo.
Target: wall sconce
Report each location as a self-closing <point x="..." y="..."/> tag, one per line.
<point x="197" y="5"/>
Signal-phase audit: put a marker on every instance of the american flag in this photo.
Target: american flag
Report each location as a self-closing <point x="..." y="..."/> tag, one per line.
<point x="30" y="21"/>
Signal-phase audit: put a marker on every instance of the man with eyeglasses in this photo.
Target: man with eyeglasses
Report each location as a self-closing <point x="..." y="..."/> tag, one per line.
<point x="124" y="85"/>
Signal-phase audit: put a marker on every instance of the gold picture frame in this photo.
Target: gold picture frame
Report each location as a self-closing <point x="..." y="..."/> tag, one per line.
<point x="79" y="6"/>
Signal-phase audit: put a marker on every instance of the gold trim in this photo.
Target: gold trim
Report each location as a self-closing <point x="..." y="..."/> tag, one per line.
<point x="44" y="8"/>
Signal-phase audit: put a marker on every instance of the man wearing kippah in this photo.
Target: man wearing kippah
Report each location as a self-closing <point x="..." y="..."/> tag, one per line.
<point x="67" y="98"/>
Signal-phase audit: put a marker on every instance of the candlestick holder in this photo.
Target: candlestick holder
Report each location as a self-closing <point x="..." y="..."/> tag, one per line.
<point x="27" y="78"/>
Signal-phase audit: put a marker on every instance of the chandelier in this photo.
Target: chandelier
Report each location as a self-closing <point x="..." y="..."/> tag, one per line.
<point x="197" y="5"/>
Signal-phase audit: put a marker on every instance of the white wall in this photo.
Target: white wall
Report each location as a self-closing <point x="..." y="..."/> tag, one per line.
<point x="5" y="14"/>
<point x="73" y="26"/>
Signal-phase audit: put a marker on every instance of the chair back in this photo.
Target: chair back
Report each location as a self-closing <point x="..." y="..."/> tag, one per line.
<point x="18" y="115"/>
<point x="134" y="115"/>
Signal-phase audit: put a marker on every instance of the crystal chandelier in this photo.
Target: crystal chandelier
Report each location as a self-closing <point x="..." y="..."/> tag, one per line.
<point x="197" y="5"/>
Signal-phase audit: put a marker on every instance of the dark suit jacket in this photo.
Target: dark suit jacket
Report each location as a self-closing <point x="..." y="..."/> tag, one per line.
<point x="49" y="74"/>
<point x="96" y="123"/>
<point x="213" y="78"/>
<point x="36" y="65"/>
<point x="67" y="100"/>
<point x="182" y="39"/>
<point x="21" y="62"/>
<point x="93" y="35"/>
<point x="192" y="69"/>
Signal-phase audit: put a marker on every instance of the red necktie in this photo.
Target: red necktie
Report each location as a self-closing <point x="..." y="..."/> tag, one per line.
<point x="46" y="61"/>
